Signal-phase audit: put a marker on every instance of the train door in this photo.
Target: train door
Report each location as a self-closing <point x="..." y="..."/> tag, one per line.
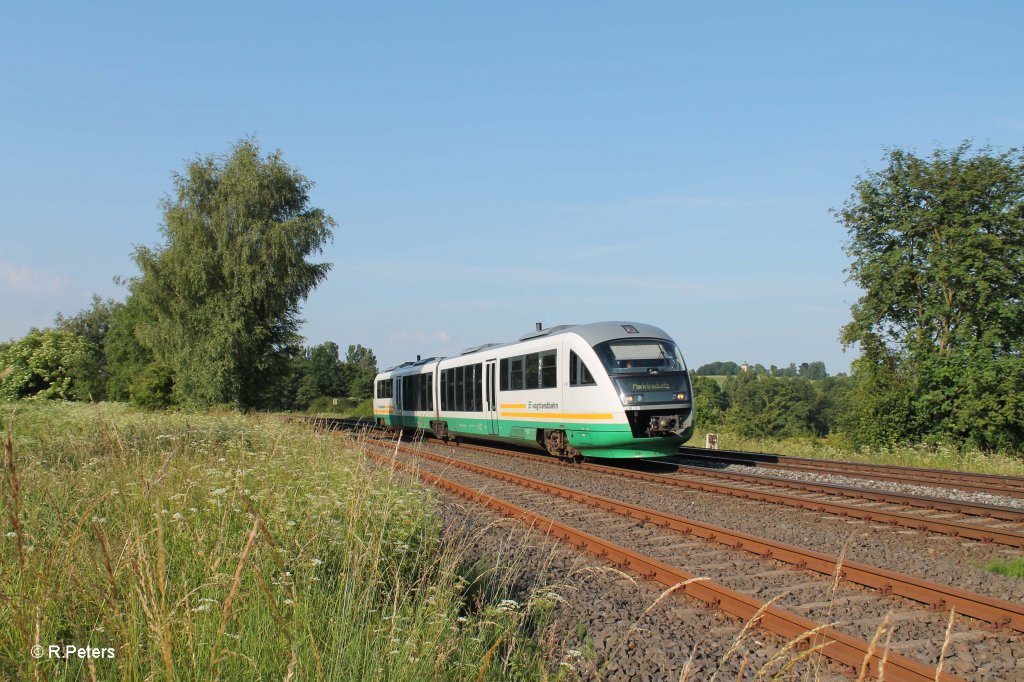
<point x="490" y="396"/>
<point x="398" y="420"/>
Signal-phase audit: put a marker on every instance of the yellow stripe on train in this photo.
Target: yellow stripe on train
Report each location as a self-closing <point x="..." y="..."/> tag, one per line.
<point x="553" y="415"/>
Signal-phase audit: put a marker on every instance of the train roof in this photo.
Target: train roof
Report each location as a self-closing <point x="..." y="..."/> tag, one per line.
<point x="593" y="333"/>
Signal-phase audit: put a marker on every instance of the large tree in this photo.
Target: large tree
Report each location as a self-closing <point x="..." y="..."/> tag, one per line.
<point x="361" y="369"/>
<point x="224" y="290"/>
<point x="937" y="246"/>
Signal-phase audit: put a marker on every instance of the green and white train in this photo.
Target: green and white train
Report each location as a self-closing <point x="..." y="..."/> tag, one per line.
<point x="607" y="389"/>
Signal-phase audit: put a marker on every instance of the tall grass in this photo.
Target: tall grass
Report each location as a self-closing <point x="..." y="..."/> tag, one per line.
<point x="217" y="546"/>
<point x="1013" y="568"/>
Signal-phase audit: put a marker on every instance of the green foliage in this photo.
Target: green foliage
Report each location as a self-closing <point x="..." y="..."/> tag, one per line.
<point x="814" y="371"/>
<point x="362" y="368"/>
<point x="126" y="357"/>
<point x="43" y="365"/>
<point x="153" y="387"/>
<point x="318" y="373"/>
<point x="221" y="546"/>
<point x="709" y="402"/>
<point x="93" y="325"/>
<point x="719" y="369"/>
<point x="224" y="290"/>
<point x="937" y="245"/>
<point x="1013" y="568"/>
<point x="766" y="406"/>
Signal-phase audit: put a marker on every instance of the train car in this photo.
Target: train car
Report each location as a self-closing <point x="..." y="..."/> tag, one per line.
<point x="601" y="390"/>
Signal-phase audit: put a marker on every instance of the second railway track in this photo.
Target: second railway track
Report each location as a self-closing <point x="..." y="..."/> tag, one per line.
<point x="996" y="484"/>
<point x="735" y="558"/>
<point x="957" y="518"/>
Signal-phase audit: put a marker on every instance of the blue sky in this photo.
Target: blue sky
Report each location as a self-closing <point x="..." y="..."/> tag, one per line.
<point x="494" y="164"/>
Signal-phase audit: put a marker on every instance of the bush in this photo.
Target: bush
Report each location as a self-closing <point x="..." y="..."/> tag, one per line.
<point x="153" y="387"/>
<point x="43" y="365"/>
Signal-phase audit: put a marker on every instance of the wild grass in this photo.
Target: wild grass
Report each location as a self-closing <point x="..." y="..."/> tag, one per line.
<point x="1013" y="568"/>
<point x="347" y="408"/>
<point x="838" y="447"/>
<point x="219" y="546"/>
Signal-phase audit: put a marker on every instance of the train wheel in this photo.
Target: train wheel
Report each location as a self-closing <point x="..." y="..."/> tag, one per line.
<point x="557" y="444"/>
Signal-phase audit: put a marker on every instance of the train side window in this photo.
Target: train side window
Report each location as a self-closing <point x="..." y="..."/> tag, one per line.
<point x="444" y="389"/>
<point x="457" y="405"/>
<point x="516" y="373"/>
<point x="504" y="374"/>
<point x="549" y="369"/>
<point x="478" y="387"/>
<point x="579" y="375"/>
<point x="532" y="371"/>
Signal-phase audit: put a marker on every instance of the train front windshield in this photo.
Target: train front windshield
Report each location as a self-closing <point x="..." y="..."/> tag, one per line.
<point x="640" y="356"/>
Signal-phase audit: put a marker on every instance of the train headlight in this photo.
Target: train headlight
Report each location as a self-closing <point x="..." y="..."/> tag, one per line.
<point x="632" y="397"/>
<point x="680" y="396"/>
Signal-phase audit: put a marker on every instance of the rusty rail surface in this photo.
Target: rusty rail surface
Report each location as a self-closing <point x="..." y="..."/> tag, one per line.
<point x="979" y="509"/>
<point x="997" y="612"/>
<point x="922" y="523"/>
<point x="1010" y="486"/>
<point x="850" y="651"/>
<point x="959" y="529"/>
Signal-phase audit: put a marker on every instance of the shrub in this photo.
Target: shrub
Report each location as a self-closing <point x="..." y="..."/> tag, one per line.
<point x="153" y="388"/>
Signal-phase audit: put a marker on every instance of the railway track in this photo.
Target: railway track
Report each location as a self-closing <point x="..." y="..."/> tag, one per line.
<point x="1009" y="486"/>
<point x="744" y="581"/>
<point x="962" y="519"/>
<point x="974" y="522"/>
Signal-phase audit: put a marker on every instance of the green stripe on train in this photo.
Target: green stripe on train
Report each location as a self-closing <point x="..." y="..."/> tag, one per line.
<point x="593" y="440"/>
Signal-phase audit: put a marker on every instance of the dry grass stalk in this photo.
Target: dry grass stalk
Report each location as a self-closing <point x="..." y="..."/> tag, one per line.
<point x="837" y="576"/>
<point x="235" y="583"/>
<point x="865" y="666"/>
<point x="945" y="644"/>
<point x="636" y="623"/>
<point x="737" y="641"/>
<point x="13" y="493"/>
<point x="793" y="644"/>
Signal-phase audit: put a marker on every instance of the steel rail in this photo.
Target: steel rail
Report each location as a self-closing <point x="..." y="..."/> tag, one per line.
<point x="921" y="523"/>
<point x="1011" y="486"/>
<point x="997" y="612"/>
<point x="845" y="649"/>
<point x="959" y="529"/>
<point x="966" y="508"/>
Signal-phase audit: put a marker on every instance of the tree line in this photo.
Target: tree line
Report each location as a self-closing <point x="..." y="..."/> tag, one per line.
<point x="936" y="247"/>
<point x="809" y="370"/>
<point x="212" y="318"/>
<point x="762" y="404"/>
